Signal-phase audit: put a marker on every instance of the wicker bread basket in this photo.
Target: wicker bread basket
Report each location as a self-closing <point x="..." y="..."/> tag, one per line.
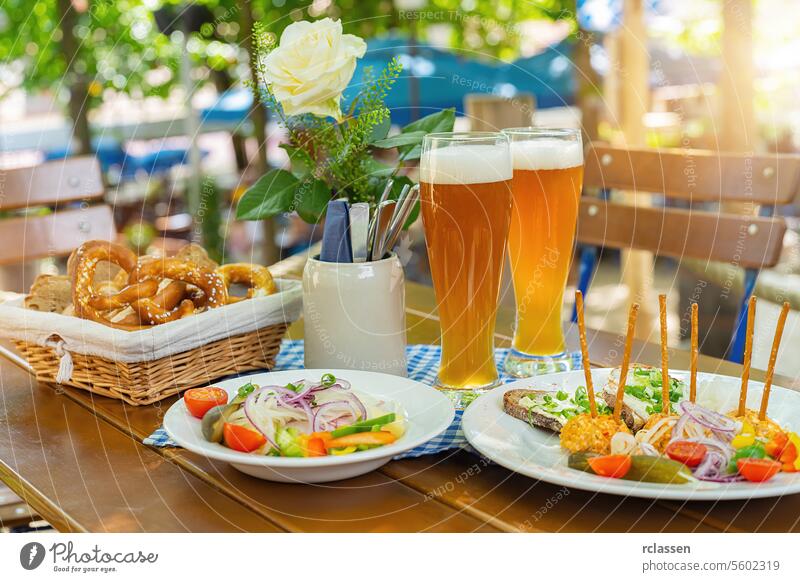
<point x="156" y="367"/>
<point x="147" y="382"/>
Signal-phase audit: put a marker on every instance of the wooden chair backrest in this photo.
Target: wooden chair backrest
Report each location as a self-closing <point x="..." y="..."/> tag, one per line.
<point x="72" y="189"/>
<point x="488" y="112"/>
<point x="746" y="240"/>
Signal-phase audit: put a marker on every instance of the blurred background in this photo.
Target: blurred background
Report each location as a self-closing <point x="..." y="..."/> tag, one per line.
<point x="158" y="91"/>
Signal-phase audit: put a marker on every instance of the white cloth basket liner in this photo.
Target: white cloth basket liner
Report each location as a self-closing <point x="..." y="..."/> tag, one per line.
<point x="67" y="334"/>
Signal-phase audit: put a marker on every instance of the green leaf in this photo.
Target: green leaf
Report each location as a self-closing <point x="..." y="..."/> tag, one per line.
<point x="272" y="194"/>
<point x="300" y="159"/>
<point x="312" y="200"/>
<point x="397" y="187"/>
<point x="381" y="130"/>
<point x="435" y="122"/>
<point x="400" y="139"/>
<point x="374" y="168"/>
<point x="412" y="216"/>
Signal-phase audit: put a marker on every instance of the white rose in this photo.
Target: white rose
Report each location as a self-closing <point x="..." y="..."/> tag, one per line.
<point x="311" y="67"/>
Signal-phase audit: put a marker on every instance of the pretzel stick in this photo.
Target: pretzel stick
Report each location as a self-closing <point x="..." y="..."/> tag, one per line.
<point x="773" y="356"/>
<point x="587" y="372"/>
<point x="626" y="360"/>
<point x="748" y="349"/>
<point x="695" y="352"/>
<point x="662" y="311"/>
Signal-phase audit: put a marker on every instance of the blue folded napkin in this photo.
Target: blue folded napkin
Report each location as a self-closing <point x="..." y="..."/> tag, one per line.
<point x="336" y="244"/>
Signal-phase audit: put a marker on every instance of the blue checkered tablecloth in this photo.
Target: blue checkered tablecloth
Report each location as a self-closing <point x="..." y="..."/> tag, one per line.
<point x="423" y="364"/>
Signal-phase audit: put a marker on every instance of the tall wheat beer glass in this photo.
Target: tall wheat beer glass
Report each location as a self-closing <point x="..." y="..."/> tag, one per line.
<point x="548" y="176"/>
<point x="466" y="209"/>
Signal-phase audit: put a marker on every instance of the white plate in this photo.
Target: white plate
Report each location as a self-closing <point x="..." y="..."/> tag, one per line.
<point x="536" y="453"/>
<point x="428" y="413"/>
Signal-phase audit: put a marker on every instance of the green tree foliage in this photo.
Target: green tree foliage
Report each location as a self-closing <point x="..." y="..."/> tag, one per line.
<point x="118" y="44"/>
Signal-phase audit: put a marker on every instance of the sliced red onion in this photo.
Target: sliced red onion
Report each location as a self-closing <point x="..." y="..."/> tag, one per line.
<point x="677" y="430"/>
<point x="360" y="408"/>
<point x="713" y="469"/>
<point x="309" y="415"/>
<point x="319" y="421"/>
<point x="710" y="465"/>
<point x="283" y="390"/>
<point x="269" y="430"/>
<point x="708" y="418"/>
<point x="307" y="389"/>
<point x="340" y="383"/>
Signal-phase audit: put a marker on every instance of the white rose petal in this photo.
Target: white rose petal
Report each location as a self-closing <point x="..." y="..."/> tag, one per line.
<point x="312" y="66"/>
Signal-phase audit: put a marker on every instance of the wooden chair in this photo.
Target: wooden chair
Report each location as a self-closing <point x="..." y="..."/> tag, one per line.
<point x="749" y="240"/>
<point x="488" y="112"/>
<point x="71" y="190"/>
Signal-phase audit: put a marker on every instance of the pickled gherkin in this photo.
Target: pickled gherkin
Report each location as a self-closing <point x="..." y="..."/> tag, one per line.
<point x="645" y="468"/>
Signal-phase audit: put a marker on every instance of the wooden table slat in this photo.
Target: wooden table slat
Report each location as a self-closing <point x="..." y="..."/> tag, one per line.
<point x="80" y="473"/>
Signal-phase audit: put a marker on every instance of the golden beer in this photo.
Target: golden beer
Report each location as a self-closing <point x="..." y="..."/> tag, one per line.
<point x="466" y="210"/>
<point x="548" y="176"/>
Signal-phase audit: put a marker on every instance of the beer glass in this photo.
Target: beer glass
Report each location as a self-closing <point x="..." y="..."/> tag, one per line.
<point x="548" y="176"/>
<point x="465" y="195"/>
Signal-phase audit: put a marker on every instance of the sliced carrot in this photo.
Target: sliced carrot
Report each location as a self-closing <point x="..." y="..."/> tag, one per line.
<point x="325" y="436"/>
<point x="316" y="447"/>
<point x="361" y="438"/>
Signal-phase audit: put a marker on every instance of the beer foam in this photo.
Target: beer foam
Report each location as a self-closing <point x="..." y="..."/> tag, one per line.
<point x="546" y="154"/>
<point x="466" y="164"/>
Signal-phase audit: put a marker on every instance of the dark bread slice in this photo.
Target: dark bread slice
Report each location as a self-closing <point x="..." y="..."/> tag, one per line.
<point x="632" y="420"/>
<point x="609" y="394"/>
<point x="512" y="407"/>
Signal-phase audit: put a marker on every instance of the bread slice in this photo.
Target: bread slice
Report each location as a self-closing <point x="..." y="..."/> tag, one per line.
<point x="49" y="293"/>
<point x="512" y="407"/>
<point x="633" y="418"/>
<point x="628" y="416"/>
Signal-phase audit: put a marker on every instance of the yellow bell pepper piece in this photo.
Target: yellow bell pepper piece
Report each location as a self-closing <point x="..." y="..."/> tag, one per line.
<point x="745" y="438"/>
<point x="343" y="451"/>
<point x="795" y="440"/>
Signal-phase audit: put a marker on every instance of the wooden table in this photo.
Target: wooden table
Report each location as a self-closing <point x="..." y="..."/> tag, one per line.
<point x="79" y="461"/>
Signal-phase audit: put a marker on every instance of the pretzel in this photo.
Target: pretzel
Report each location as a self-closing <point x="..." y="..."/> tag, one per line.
<point x="662" y="308"/>
<point x="587" y="371"/>
<point x="211" y="284"/>
<point x="86" y="259"/>
<point x="626" y="359"/>
<point x="773" y="357"/>
<point x="748" y="352"/>
<point x="257" y="278"/>
<point x="125" y="296"/>
<point x="695" y="352"/>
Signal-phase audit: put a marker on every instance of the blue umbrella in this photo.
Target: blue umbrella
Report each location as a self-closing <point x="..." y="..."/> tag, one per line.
<point x="446" y="77"/>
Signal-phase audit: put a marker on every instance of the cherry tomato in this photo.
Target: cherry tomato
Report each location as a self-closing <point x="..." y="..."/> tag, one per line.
<point x="615" y="466"/>
<point x="240" y="438"/>
<point x="758" y="470"/>
<point x="686" y="452"/>
<point x="201" y="400"/>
